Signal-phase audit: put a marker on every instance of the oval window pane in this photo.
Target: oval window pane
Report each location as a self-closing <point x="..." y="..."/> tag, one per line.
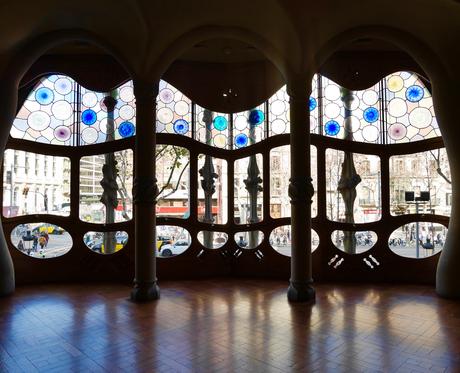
<point x="172" y="240"/>
<point x="41" y="240"/>
<point x="431" y="238"/>
<point x="249" y="240"/>
<point x="105" y="242"/>
<point x="280" y="240"/>
<point x="352" y="242"/>
<point x="212" y="240"/>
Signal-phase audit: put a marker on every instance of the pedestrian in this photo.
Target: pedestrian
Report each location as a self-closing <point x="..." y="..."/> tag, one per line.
<point x="35" y="243"/>
<point x="47" y="238"/>
<point x="42" y="242"/>
<point x="21" y="245"/>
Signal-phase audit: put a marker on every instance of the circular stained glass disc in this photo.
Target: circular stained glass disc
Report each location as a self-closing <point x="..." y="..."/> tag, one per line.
<point x="414" y="93"/>
<point x="88" y="117"/>
<point x="63" y="86"/>
<point x="89" y="135"/>
<point x="256" y="117"/>
<point x="370" y="133"/>
<point x="62" y="133"/>
<point x="312" y="104"/>
<point x="62" y="110"/>
<point x="126" y="112"/>
<point x="44" y="96"/>
<point x="220" y="140"/>
<point x="89" y="99"/>
<point x="332" y="128"/>
<point x="370" y="97"/>
<point x="181" y="108"/>
<point x="126" y="129"/>
<point x="395" y="83"/>
<point x="166" y="95"/>
<point x="181" y="126"/>
<point x="332" y="92"/>
<point x="126" y="94"/>
<point x="241" y="140"/>
<point x="103" y="125"/>
<point x="220" y="123"/>
<point x="332" y="111"/>
<point x="397" y="107"/>
<point x="397" y="131"/>
<point x="38" y="120"/>
<point x="278" y="107"/>
<point x="420" y="117"/>
<point x="165" y="115"/>
<point x="278" y="126"/>
<point x="371" y="115"/>
<point x="240" y="122"/>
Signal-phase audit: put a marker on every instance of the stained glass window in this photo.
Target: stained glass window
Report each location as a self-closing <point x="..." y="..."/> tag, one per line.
<point x="174" y="111"/>
<point x="60" y="111"/>
<point x="218" y="133"/>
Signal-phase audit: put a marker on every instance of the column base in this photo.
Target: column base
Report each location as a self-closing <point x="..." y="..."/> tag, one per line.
<point x="145" y="291"/>
<point x="301" y="292"/>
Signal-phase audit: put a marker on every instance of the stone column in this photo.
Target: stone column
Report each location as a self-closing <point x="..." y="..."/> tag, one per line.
<point x="145" y="192"/>
<point x="301" y="193"/>
<point x="8" y="97"/>
<point x="446" y="98"/>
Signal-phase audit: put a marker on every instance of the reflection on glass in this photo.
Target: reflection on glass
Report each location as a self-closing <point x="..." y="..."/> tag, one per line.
<point x="212" y="240"/>
<point x="106" y="182"/>
<point x="248" y="189"/>
<point x="41" y="240"/>
<point x="173" y="179"/>
<point x="354" y="242"/>
<point x="431" y="237"/>
<point x="366" y="204"/>
<point x="105" y="242"/>
<point x="172" y="240"/>
<point x="280" y="240"/>
<point x="280" y="173"/>
<point x="421" y="172"/>
<point x="249" y="240"/>
<point x="35" y="184"/>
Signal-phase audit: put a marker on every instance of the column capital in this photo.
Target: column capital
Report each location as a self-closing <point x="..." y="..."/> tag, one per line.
<point x="145" y="91"/>
<point x="145" y="190"/>
<point x="301" y="190"/>
<point x="299" y="88"/>
<point x="110" y="103"/>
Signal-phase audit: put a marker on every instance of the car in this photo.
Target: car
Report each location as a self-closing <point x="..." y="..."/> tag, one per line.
<point x="177" y="248"/>
<point x="163" y="240"/>
<point x="98" y="246"/>
<point x="49" y="228"/>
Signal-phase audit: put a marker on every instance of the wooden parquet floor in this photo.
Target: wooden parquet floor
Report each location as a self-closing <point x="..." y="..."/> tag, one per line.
<point x="229" y="325"/>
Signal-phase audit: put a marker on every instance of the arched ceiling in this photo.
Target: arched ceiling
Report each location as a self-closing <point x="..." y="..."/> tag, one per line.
<point x="298" y="36"/>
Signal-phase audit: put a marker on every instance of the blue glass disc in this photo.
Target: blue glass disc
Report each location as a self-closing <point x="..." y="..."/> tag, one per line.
<point x="44" y="96"/>
<point x="180" y="126"/>
<point x="241" y="140"/>
<point x="220" y="123"/>
<point x="414" y="93"/>
<point x="371" y="114"/>
<point x="332" y="128"/>
<point x="256" y="117"/>
<point x="126" y="129"/>
<point x="88" y="117"/>
<point x="312" y="103"/>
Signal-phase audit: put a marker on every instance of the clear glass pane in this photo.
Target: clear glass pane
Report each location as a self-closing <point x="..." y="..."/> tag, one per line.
<point x="354" y="242"/>
<point x="172" y="240"/>
<point x="173" y="178"/>
<point x="249" y="240"/>
<point x="35" y="184"/>
<point x="366" y="202"/>
<point x="105" y="242"/>
<point x="426" y="179"/>
<point x="115" y="171"/>
<point x="248" y="190"/>
<point x="212" y="190"/>
<point x="431" y="237"/>
<point x="212" y="240"/>
<point x="41" y="240"/>
<point x="280" y="240"/>
<point x="280" y="173"/>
